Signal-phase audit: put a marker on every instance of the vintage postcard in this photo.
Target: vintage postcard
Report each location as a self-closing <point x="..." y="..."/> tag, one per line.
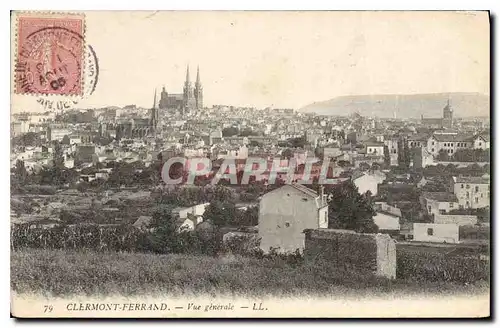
<point x="250" y="164"/>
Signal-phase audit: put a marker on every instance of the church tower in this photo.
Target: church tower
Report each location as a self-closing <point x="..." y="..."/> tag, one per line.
<point x="188" y="99"/>
<point x="198" y="90"/>
<point x="163" y="99"/>
<point x="448" y="115"/>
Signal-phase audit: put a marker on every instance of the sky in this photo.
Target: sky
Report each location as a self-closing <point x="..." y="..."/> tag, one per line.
<point x="283" y="59"/>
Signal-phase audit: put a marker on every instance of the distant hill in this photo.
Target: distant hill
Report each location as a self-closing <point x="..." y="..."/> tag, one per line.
<point x="405" y="106"/>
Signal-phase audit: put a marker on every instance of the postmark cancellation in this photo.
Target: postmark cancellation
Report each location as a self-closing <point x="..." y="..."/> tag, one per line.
<point x="49" y="53"/>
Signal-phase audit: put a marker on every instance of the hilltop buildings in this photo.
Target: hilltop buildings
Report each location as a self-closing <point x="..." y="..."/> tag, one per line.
<point x="190" y="99"/>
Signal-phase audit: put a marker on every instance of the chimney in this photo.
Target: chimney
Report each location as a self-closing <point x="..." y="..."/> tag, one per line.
<point x="322" y="194"/>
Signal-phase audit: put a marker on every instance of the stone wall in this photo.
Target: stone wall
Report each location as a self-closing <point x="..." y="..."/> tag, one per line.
<point x="374" y="253"/>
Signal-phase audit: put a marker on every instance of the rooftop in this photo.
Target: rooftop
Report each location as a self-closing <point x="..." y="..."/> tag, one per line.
<point x="453" y="137"/>
<point x="440" y="196"/>
<point x="473" y="180"/>
<point x="305" y="190"/>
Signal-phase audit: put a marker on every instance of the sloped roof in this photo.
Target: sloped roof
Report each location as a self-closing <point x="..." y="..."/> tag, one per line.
<point x="486" y="137"/>
<point x="357" y="174"/>
<point x="305" y="190"/>
<point x="440" y="196"/>
<point x="142" y="221"/>
<point x="419" y="137"/>
<point x="453" y="137"/>
<point x="372" y="143"/>
<point x="473" y="180"/>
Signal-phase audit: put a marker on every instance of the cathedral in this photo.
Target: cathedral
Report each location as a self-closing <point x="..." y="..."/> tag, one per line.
<point x="445" y="122"/>
<point x="191" y="98"/>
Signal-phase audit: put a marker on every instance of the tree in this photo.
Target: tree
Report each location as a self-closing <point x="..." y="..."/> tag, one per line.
<point x="363" y="166"/>
<point x="254" y="143"/>
<point x="443" y="156"/>
<point x="248" y="132"/>
<point x="299" y="142"/>
<point x="343" y="163"/>
<point x="404" y="156"/>
<point x="387" y="156"/>
<point x="375" y="166"/>
<point x="20" y="171"/>
<point x="229" y="132"/>
<point x="65" y="140"/>
<point x="83" y="186"/>
<point x="164" y="238"/>
<point x="250" y="217"/>
<point x="348" y="209"/>
<point x="220" y="214"/>
<point x="27" y="139"/>
<point x="58" y="156"/>
<point x="287" y="153"/>
<point x="223" y="194"/>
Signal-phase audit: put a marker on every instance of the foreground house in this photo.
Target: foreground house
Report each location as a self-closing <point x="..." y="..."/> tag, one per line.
<point x="437" y="233"/>
<point x="438" y="202"/>
<point x="387" y="217"/>
<point x="286" y="212"/>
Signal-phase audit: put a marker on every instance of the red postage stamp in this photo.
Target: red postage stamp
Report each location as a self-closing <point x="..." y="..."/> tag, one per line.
<point x="49" y="54"/>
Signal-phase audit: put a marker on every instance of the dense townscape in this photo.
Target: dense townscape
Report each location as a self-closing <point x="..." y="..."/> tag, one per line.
<point x="92" y="179"/>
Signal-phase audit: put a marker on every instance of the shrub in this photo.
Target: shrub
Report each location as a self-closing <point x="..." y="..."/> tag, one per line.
<point x="426" y="266"/>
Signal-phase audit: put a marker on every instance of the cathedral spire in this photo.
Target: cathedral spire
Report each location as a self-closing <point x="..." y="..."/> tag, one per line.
<point x="154" y="100"/>
<point x="154" y="115"/>
<point x="187" y="74"/>
<point x="198" y="75"/>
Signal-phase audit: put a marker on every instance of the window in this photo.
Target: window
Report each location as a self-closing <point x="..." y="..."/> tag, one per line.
<point x="477" y="188"/>
<point x="482" y="195"/>
<point x="480" y="144"/>
<point x="287" y="224"/>
<point x="432" y="149"/>
<point x="467" y="187"/>
<point x="451" y="205"/>
<point x="467" y="194"/>
<point x="462" y="186"/>
<point x="477" y="200"/>
<point x="304" y="199"/>
<point x="442" y="211"/>
<point x="430" y="232"/>
<point x="433" y="143"/>
<point x="429" y="208"/>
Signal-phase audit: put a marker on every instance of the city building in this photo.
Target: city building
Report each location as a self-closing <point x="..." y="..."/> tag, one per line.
<point x="436" y="233"/>
<point x="472" y="192"/>
<point x="190" y="99"/>
<point x="445" y="122"/>
<point x="438" y="202"/>
<point x="286" y="212"/>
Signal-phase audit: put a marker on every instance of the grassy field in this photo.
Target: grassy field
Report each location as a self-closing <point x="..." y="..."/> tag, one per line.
<point x="65" y="273"/>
